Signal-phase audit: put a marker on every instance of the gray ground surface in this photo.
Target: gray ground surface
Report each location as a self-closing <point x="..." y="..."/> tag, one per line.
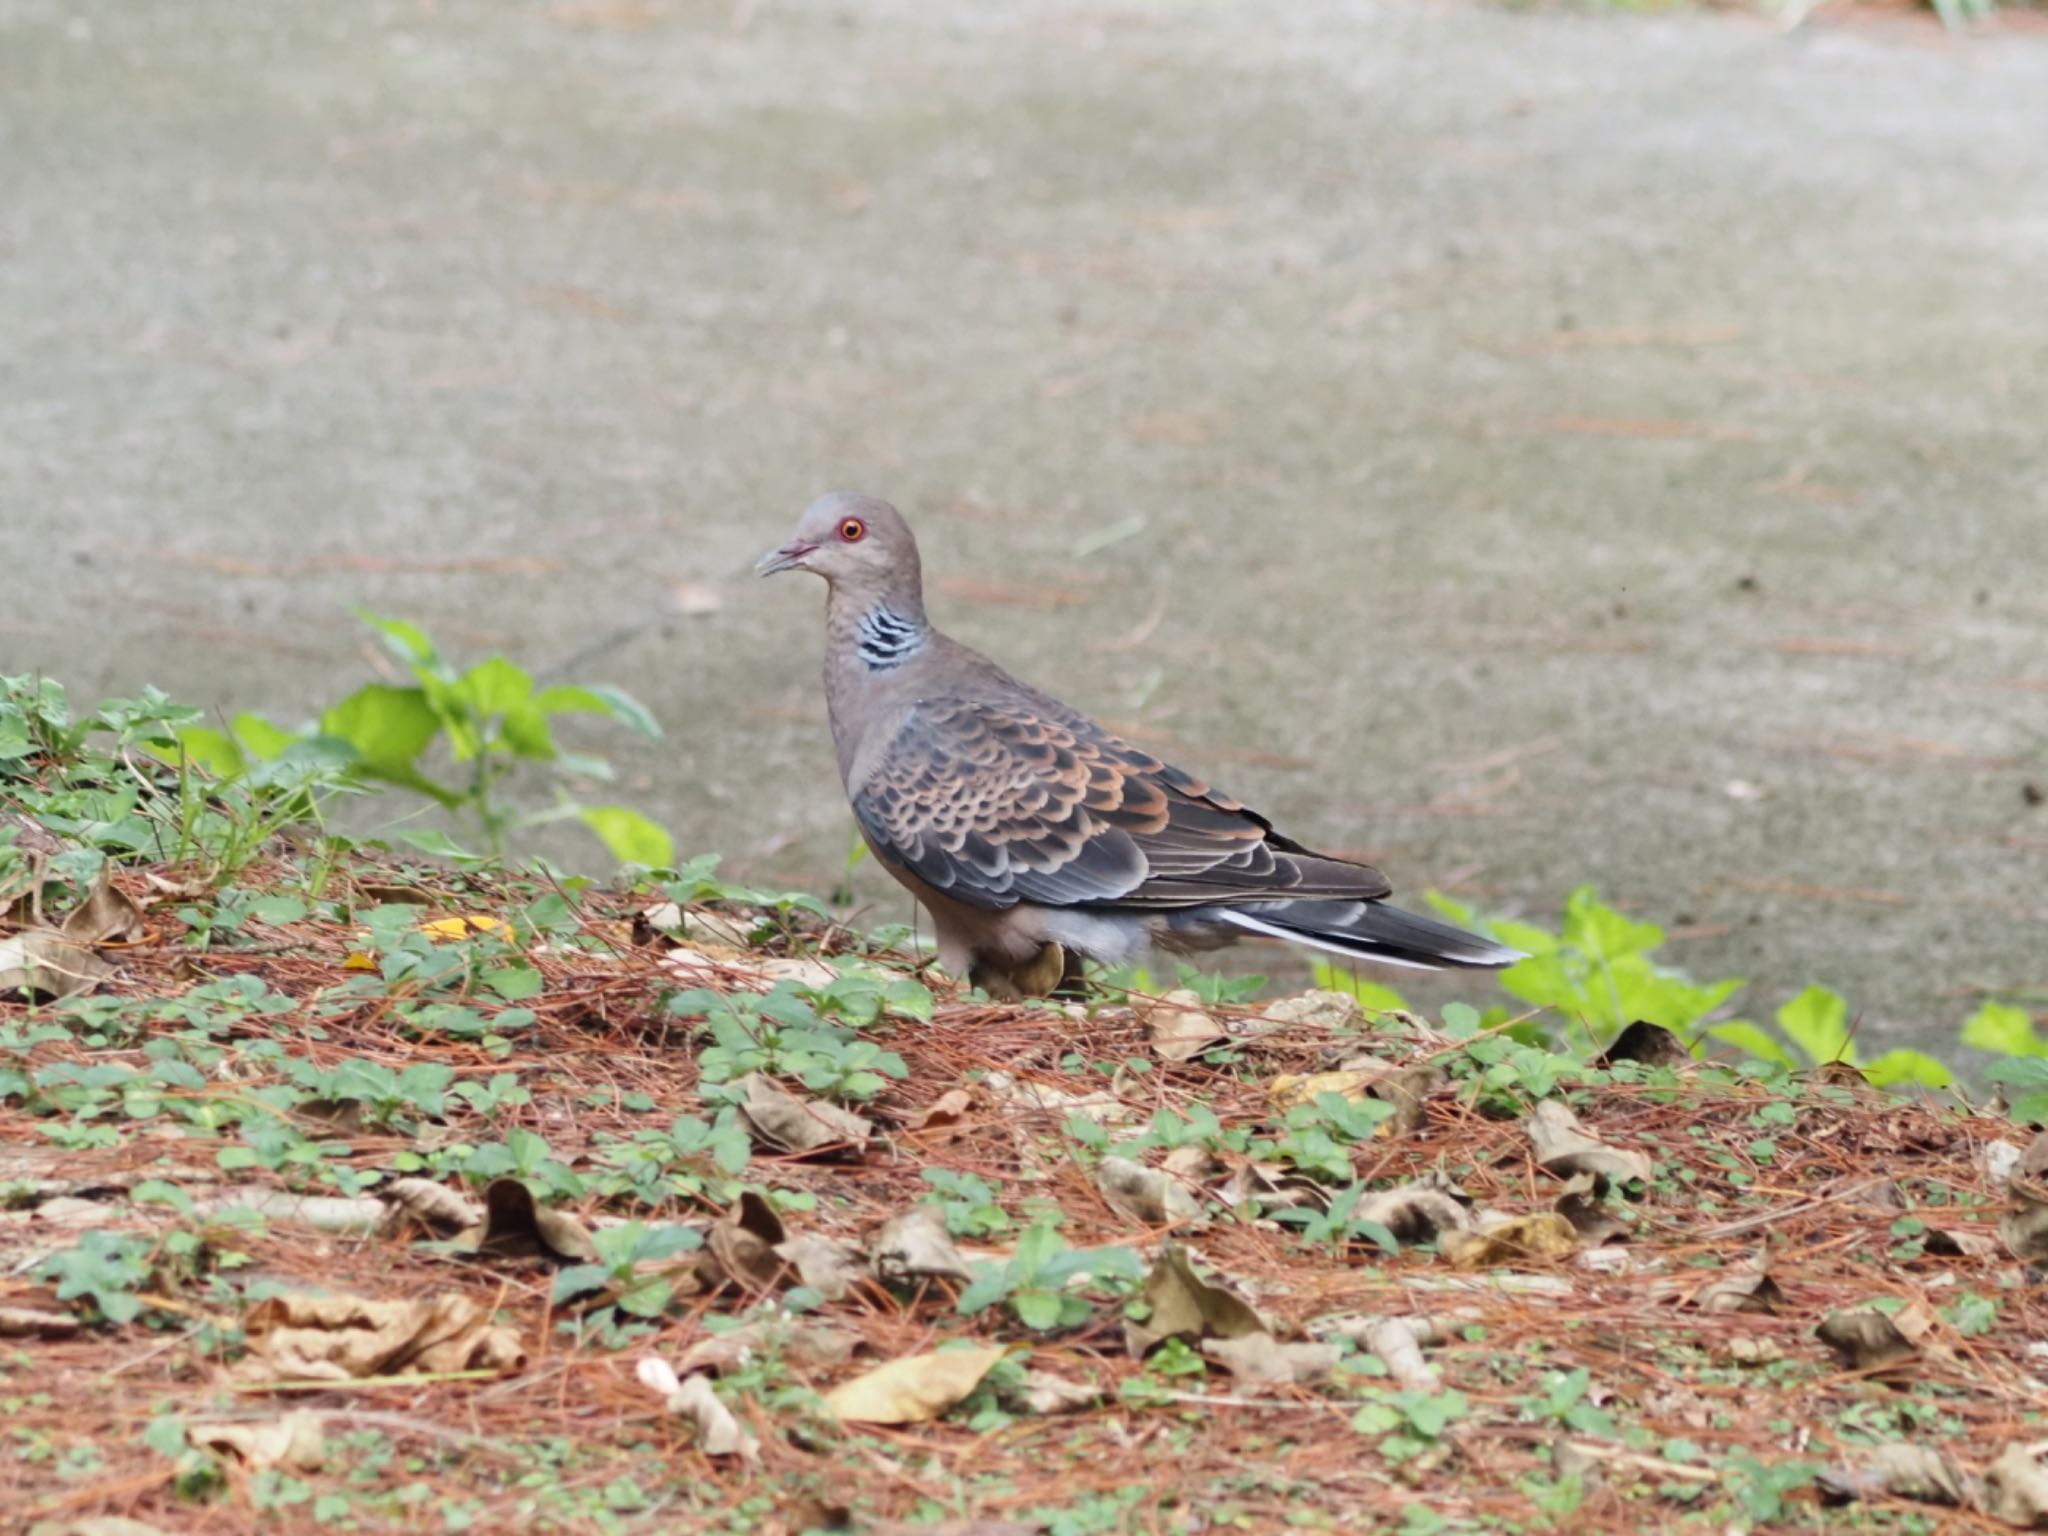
<point x="1536" y="423"/>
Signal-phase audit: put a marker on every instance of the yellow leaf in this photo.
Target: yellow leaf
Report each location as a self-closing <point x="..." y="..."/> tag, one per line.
<point x="462" y="927"/>
<point x="911" y="1390"/>
<point x="358" y="961"/>
<point x="1290" y="1090"/>
<point x="1543" y="1238"/>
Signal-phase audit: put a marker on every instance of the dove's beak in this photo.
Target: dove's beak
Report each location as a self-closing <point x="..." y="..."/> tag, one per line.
<point x="790" y="557"/>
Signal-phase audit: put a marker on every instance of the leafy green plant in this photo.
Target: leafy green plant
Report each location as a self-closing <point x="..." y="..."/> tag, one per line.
<point x="197" y="1475"/>
<point x="2005" y="1028"/>
<point x="1212" y="988"/>
<point x="1506" y="1073"/>
<point x="968" y="1202"/>
<point x="781" y="1033"/>
<point x="859" y="997"/>
<point x="106" y="1269"/>
<point x="1154" y="1386"/>
<point x="1409" y="1422"/>
<point x="1317" y="1137"/>
<point x="120" y="782"/>
<point x="1166" y="1131"/>
<point x="1599" y="972"/>
<point x="2024" y="1080"/>
<point x="1761" y="1487"/>
<point x="1337" y="1225"/>
<point x="621" y="1251"/>
<point x="526" y="1156"/>
<point x="696" y="882"/>
<point x="1817" y="1022"/>
<point x="1567" y="1399"/>
<point x="487" y="718"/>
<point x="1596" y="970"/>
<point x="379" y="1095"/>
<point x="1034" y="1280"/>
<point x="693" y="1158"/>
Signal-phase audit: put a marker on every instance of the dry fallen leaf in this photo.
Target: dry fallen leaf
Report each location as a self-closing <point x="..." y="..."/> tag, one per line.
<point x="1960" y="1243"/>
<point x="914" y="1389"/>
<point x="1041" y="1392"/>
<point x="1650" y="1044"/>
<point x="1740" y="1293"/>
<point x="947" y="1110"/>
<point x="516" y="1226"/>
<point x="1261" y="1357"/>
<point x="434" y="1207"/>
<point x="697" y="924"/>
<point x="42" y="965"/>
<point x="36" y="840"/>
<point x="786" y="1123"/>
<point x="1563" y="1147"/>
<point x="804" y="970"/>
<point x="1275" y="1186"/>
<point x="2024" y="1226"/>
<point x="1414" y="1213"/>
<point x="1408" y="1090"/>
<point x="2016" y="1488"/>
<point x="825" y="1264"/>
<point x="295" y="1442"/>
<point x="1398" y="1341"/>
<point x="1102" y="1108"/>
<point x="33" y="1323"/>
<point x="1899" y="1470"/>
<point x="1184" y="1305"/>
<point x="693" y="1398"/>
<point x="800" y="1346"/>
<point x="739" y="1250"/>
<point x="1863" y="1339"/>
<point x="914" y="1244"/>
<point x="1543" y="1237"/>
<point x="1861" y="1192"/>
<point x="1180" y="1028"/>
<point x="106" y="916"/>
<point x="1319" y="1009"/>
<point x="1148" y="1196"/>
<point x="1752" y="1349"/>
<point x="1192" y="1166"/>
<point x="1591" y="1217"/>
<point x="301" y="1338"/>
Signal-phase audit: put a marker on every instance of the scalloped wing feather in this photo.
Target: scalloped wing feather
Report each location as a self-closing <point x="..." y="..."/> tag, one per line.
<point x="1022" y="801"/>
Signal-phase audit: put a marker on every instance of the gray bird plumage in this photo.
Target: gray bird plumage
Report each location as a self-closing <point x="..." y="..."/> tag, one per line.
<point x="1035" y="837"/>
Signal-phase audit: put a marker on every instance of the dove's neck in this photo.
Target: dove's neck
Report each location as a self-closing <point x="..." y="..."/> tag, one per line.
<point x="872" y="637"/>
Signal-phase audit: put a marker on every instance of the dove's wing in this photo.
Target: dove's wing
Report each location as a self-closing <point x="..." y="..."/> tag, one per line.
<point x="1000" y="802"/>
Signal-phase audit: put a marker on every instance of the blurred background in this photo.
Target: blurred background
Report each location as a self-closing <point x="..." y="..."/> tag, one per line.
<point x="1522" y="447"/>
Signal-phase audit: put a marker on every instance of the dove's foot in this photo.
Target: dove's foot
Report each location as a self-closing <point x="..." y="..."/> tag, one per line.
<point x="1050" y="972"/>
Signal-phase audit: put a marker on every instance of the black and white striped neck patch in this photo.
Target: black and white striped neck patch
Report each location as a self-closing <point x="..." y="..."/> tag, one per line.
<point x="885" y="639"/>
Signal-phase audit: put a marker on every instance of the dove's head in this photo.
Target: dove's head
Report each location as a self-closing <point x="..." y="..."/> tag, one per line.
<point x="859" y="544"/>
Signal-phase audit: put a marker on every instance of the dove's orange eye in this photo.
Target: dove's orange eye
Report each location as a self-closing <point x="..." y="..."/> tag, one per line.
<point x="853" y="530"/>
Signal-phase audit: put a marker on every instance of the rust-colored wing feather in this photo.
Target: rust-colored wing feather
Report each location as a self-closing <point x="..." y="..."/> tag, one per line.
<point x="1000" y="803"/>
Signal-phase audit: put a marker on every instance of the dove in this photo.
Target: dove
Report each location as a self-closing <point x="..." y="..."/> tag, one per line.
<point x="1035" y="837"/>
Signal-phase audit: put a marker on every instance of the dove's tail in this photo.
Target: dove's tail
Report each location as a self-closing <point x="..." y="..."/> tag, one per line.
<point x="1371" y="930"/>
